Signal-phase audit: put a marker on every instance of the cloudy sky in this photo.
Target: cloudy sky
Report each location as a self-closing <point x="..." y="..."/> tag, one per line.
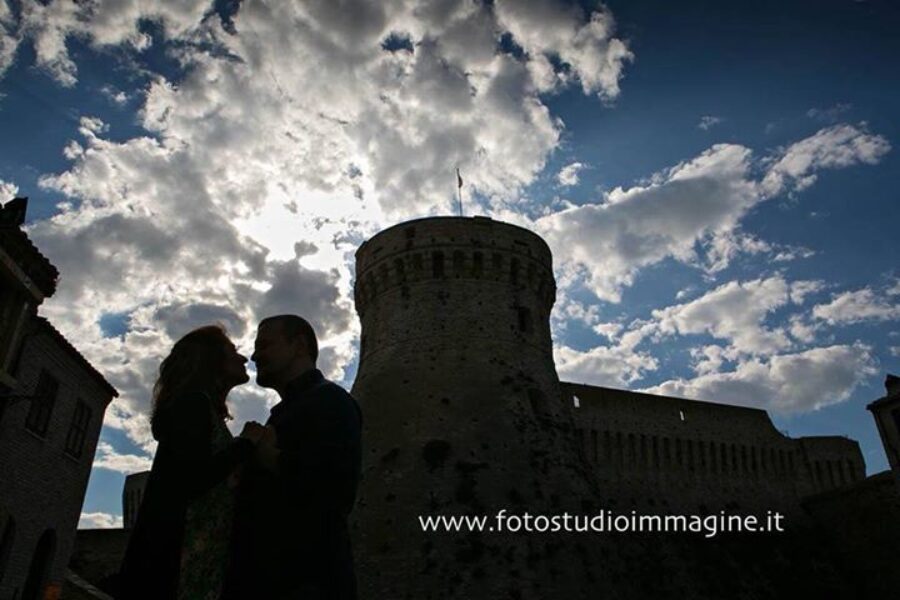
<point x="718" y="185"/>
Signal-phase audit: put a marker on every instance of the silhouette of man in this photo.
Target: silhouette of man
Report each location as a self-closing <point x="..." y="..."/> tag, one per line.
<point x="290" y="538"/>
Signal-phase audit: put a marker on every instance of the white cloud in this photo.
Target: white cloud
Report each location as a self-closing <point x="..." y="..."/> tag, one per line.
<point x="709" y="359"/>
<point x="568" y="175"/>
<point x="786" y="383"/>
<point x="102" y="24"/>
<point x="723" y="247"/>
<point x="709" y="121"/>
<point x="695" y="205"/>
<point x="735" y="312"/>
<point x="108" y="458"/>
<point x="853" y="307"/>
<point x="255" y="150"/>
<point x="608" y="330"/>
<point x="8" y="191"/>
<point x="546" y="29"/>
<point x="615" y="366"/>
<point x="9" y="38"/>
<point x="830" y="114"/>
<point x="118" y="97"/>
<point x="99" y="520"/>
<point x="685" y="292"/>
<point x="262" y="176"/>
<point x="791" y="253"/>
<point x="802" y="329"/>
<point x="640" y="226"/>
<point x="802" y="289"/>
<point x="795" y="168"/>
<point x="566" y="310"/>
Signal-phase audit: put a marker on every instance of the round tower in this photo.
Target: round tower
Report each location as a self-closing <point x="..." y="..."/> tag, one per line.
<point x="463" y="415"/>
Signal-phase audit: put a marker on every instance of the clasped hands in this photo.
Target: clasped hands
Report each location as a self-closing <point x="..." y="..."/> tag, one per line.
<point x="258" y="433"/>
<point x="266" y="441"/>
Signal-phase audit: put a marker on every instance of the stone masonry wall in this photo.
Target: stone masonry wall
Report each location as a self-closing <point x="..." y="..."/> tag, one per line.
<point x="657" y="453"/>
<point x="463" y="413"/>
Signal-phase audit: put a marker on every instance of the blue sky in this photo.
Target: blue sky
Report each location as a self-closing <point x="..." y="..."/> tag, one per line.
<point x="717" y="183"/>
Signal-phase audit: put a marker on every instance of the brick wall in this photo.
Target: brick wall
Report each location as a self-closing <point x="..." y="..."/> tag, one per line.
<point x="41" y="486"/>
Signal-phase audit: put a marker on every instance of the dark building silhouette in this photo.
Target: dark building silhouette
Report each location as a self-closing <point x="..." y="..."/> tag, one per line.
<point x="132" y="494"/>
<point x="52" y="403"/>
<point x="686" y="455"/>
<point x="98" y="553"/>
<point x="886" y="411"/>
<point x="464" y="415"/>
<point x="26" y="278"/>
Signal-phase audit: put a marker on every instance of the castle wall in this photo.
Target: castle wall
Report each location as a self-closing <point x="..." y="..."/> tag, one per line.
<point x="659" y="453"/>
<point x="828" y="463"/>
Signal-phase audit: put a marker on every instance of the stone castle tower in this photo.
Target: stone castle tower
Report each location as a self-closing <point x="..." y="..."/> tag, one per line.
<point x="464" y="413"/>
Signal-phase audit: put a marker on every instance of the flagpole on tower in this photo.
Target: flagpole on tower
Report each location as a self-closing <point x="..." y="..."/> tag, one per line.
<point x="459" y="183"/>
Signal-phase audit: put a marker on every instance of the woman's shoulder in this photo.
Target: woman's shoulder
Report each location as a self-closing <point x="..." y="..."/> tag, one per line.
<point x="189" y="406"/>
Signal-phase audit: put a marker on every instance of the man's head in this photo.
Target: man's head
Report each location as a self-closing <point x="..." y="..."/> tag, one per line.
<point x="285" y="347"/>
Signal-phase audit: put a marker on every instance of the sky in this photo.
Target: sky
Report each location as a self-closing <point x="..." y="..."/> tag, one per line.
<point x="717" y="183"/>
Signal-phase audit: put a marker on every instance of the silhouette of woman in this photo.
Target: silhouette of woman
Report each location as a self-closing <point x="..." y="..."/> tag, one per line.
<point x="179" y="545"/>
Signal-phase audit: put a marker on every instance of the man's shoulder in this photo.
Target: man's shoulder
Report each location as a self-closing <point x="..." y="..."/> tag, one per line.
<point x="334" y="391"/>
<point x="331" y="398"/>
<point x="329" y="387"/>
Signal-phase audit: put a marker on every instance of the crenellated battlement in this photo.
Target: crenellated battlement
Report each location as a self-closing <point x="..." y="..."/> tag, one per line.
<point x="441" y="250"/>
<point x="714" y="455"/>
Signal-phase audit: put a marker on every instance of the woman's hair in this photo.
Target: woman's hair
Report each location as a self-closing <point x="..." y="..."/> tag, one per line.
<point x="195" y="364"/>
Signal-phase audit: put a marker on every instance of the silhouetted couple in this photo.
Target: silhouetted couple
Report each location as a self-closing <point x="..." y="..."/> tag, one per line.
<point x="262" y="515"/>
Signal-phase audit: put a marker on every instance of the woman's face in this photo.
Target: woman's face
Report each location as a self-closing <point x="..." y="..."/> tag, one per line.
<point x="234" y="371"/>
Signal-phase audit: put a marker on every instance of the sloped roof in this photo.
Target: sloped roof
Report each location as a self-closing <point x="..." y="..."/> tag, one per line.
<point x="75" y="354"/>
<point x="25" y="254"/>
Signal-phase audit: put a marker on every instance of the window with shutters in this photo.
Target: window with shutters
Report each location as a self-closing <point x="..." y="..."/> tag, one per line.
<point x="42" y="404"/>
<point x="78" y="429"/>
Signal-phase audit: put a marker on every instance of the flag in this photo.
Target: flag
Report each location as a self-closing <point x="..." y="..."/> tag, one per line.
<point x="458" y="178"/>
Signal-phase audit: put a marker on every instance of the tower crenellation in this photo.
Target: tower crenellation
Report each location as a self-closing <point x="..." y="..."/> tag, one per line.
<point x="503" y="271"/>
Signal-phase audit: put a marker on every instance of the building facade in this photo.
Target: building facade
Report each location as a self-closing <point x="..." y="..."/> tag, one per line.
<point x="26" y="278"/>
<point x="49" y="427"/>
